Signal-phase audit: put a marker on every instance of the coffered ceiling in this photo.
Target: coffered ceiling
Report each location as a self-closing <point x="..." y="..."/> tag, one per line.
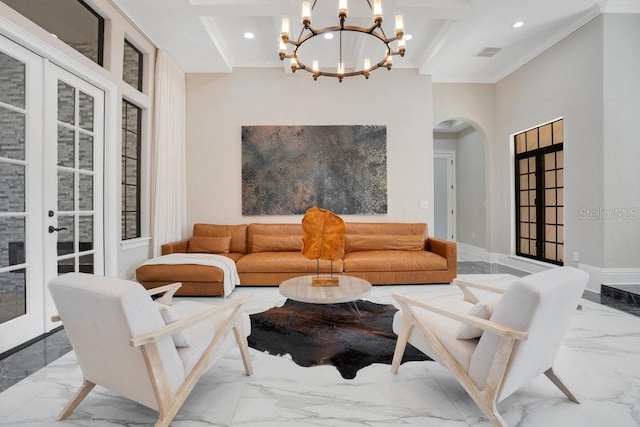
<point x="207" y="36"/>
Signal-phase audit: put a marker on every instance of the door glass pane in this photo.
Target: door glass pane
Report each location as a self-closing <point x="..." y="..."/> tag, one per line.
<point x="12" y="242"/>
<point x="12" y="133"/>
<point x="12" y="187"/>
<point x="66" y="147"/>
<point x="12" y="81"/>
<point x="66" y="265"/>
<point x="86" y="233"/>
<point x="86" y="152"/>
<point x="86" y="192"/>
<point x="65" y="190"/>
<point x="86" y="263"/>
<point x="13" y="301"/>
<point x="66" y="103"/>
<point x="131" y="171"/>
<point x="66" y="236"/>
<point x="86" y="111"/>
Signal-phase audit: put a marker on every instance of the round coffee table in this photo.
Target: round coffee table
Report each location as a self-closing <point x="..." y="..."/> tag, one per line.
<point x="349" y="290"/>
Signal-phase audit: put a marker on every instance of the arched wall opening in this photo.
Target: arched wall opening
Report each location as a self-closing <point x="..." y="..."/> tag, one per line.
<point x="462" y="141"/>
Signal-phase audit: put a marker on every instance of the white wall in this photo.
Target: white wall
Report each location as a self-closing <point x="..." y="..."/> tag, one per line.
<point x="621" y="143"/>
<point x="564" y="81"/>
<point x="219" y="104"/>
<point x="471" y="194"/>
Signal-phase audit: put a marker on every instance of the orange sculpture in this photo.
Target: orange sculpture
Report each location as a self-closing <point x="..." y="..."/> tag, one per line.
<point x="324" y="234"/>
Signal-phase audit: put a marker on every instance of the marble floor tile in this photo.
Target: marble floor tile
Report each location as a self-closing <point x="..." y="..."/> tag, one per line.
<point x="598" y="361"/>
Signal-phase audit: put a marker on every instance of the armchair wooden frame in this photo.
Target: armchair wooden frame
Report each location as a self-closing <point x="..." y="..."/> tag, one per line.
<point x="169" y="404"/>
<point x="486" y="397"/>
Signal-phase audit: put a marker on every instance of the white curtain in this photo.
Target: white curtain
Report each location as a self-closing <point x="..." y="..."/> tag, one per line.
<point x="169" y="160"/>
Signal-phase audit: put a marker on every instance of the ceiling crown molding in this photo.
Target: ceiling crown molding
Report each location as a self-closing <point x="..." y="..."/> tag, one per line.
<point x="619" y="6"/>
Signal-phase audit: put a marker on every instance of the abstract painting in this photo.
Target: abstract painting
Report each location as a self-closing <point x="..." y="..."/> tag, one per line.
<point x="288" y="169"/>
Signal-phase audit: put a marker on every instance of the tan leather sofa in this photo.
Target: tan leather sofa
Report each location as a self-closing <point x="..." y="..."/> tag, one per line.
<point x="267" y="254"/>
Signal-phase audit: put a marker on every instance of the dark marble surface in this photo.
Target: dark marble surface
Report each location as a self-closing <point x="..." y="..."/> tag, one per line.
<point x="479" y="267"/>
<point x="25" y="362"/>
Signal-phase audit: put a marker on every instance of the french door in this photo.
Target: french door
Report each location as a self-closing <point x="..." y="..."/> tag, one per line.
<point x="51" y="160"/>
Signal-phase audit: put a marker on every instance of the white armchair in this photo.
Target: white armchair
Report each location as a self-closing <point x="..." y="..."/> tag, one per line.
<point x="517" y="340"/>
<point x="123" y="344"/>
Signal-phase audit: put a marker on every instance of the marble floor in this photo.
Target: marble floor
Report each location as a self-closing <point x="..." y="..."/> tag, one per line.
<point x="598" y="361"/>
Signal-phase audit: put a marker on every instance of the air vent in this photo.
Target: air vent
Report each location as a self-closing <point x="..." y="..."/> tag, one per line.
<point x="488" y="52"/>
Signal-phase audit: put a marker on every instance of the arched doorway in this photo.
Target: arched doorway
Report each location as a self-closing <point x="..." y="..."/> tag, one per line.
<point x="460" y="192"/>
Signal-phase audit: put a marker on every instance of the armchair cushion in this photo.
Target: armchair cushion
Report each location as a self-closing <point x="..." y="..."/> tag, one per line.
<point x="466" y="332"/>
<point x="444" y="329"/>
<point x="169" y="315"/>
<point x="202" y="333"/>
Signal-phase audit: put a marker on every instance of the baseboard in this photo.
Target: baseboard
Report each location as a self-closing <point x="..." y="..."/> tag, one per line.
<point x="599" y="275"/>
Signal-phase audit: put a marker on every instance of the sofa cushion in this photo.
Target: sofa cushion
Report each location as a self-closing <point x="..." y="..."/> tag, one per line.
<point x="209" y="245"/>
<point x="238" y="234"/>
<point x="179" y="273"/>
<point x="393" y="261"/>
<point x="271" y="243"/>
<point x="283" y="262"/>
<point x="383" y="242"/>
<point x="415" y="228"/>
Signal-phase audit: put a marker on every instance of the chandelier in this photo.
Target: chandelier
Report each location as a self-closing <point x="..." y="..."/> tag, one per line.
<point x="308" y="32"/>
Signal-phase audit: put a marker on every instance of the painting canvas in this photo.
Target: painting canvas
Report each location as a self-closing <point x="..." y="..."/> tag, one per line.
<point x="288" y="169"/>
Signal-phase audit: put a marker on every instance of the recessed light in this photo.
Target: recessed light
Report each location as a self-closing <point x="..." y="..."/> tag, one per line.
<point x="328" y="36"/>
<point x="518" y="24"/>
<point x="408" y="36"/>
<point x="249" y="35"/>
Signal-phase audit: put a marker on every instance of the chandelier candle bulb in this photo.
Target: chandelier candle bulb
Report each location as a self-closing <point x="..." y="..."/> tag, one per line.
<point x="389" y="62"/>
<point x="342" y="8"/>
<point x="367" y="64"/>
<point x="282" y="48"/>
<point x="314" y="66"/>
<point x="377" y="11"/>
<point x="399" y="25"/>
<point x="306" y="14"/>
<point x="402" y="47"/>
<point x="285" y="29"/>
<point x="294" y="65"/>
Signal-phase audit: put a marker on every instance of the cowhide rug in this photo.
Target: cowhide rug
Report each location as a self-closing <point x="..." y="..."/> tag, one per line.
<point x="317" y="334"/>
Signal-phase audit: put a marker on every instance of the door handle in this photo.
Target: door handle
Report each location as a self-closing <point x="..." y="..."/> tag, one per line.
<point x="52" y="229"/>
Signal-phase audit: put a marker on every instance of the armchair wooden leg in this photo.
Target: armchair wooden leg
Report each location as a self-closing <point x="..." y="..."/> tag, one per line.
<point x="561" y="385"/>
<point x="86" y="387"/>
<point x="492" y="415"/>
<point x="244" y="349"/>
<point x="401" y="344"/>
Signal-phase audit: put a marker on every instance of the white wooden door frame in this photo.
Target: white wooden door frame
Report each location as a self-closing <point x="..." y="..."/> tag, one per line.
<point x="450" y="157"/>
<point x="53" y="74"/>
<point x="20" y="329"/>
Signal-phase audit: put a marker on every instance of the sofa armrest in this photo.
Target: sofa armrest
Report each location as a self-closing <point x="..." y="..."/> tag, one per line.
<point x="446" y="249"/>
<point x="175" y="247"/>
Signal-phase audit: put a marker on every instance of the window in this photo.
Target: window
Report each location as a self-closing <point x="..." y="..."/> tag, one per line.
<point x="71" y="21"/>
<point x="539" y="184"/>
<point x="131" y="126"/>
<point x="132" y="66"/>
